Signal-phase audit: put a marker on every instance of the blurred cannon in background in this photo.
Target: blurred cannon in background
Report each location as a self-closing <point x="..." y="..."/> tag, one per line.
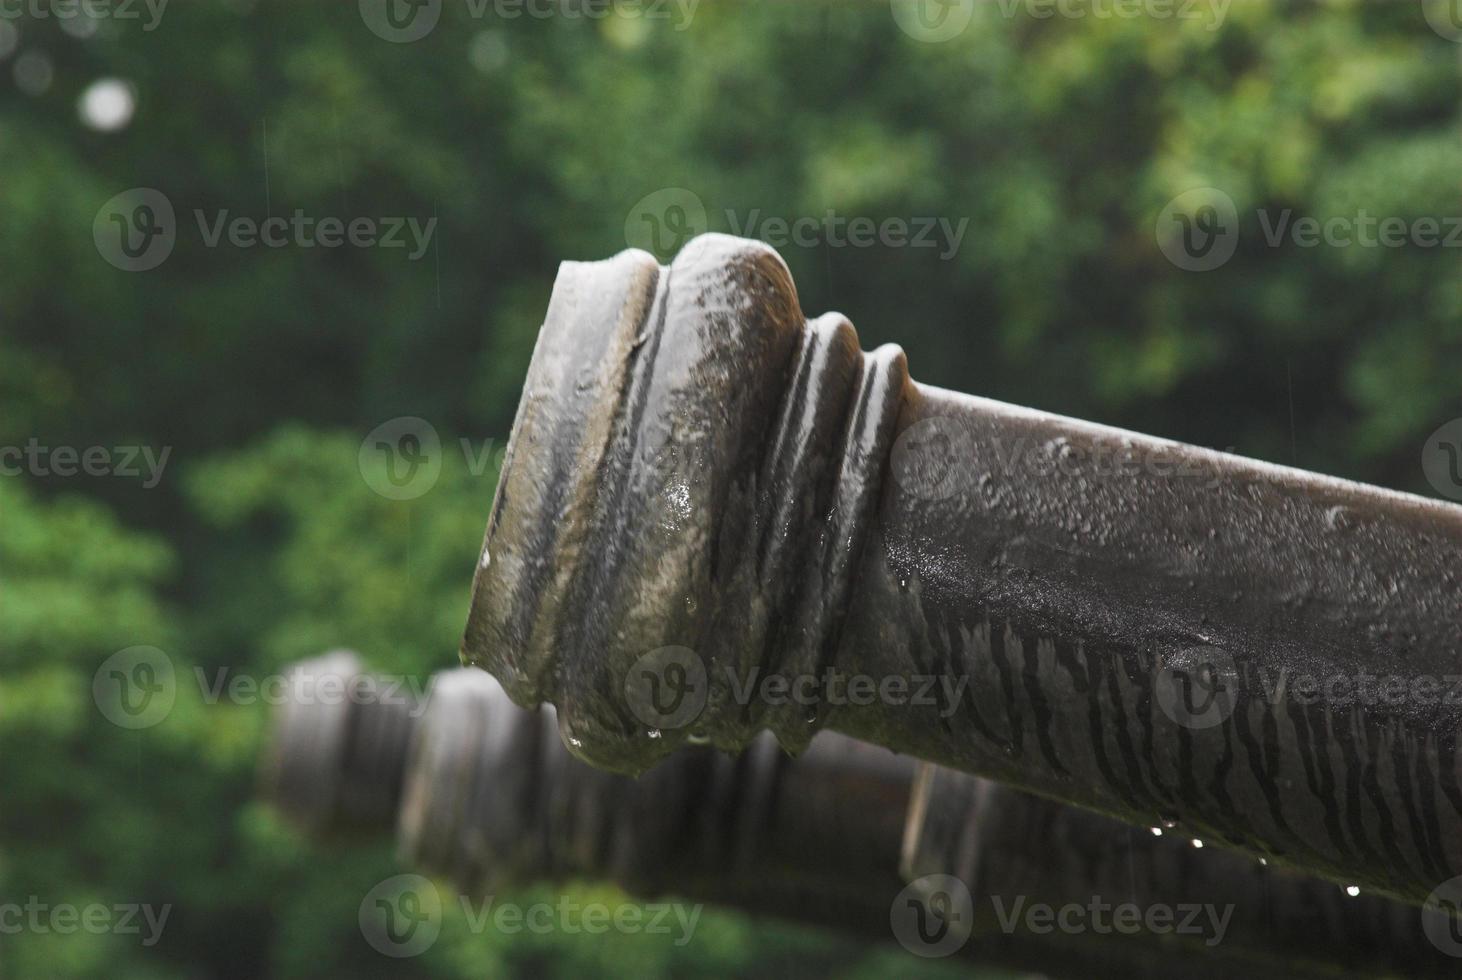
<point x="485" y="794"/>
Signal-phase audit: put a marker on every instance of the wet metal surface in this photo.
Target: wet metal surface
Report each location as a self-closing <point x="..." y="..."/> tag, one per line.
<point x="488" y="797"/>
<point x="1264" y="656"/>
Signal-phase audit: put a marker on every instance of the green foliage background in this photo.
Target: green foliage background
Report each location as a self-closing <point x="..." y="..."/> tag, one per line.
<point x="530" y="140"/>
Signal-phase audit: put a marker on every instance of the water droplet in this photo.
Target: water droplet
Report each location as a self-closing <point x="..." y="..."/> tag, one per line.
<point x="653" y="733"/>
<point x="1168" y="822"/>
<point x="107" y="105"/>
<point x="1156" y="831"/>
<point x="575" y="742"/>
<point x="1264" y="862"/>
<point x="1352" y="890"/>
<point x="1197" y="842"/>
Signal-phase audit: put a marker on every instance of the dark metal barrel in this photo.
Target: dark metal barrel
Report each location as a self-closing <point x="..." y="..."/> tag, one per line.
<point x="492" y="798"/>
<point x="336" y="759"/>
<point x="485" y="794"/>
<point x="1140" y="891"/>
<point x="706" y="494"/>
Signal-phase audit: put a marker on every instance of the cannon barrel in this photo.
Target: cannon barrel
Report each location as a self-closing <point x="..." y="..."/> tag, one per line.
<point x="488" y="796"/>
<point x="709" y="500"/>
